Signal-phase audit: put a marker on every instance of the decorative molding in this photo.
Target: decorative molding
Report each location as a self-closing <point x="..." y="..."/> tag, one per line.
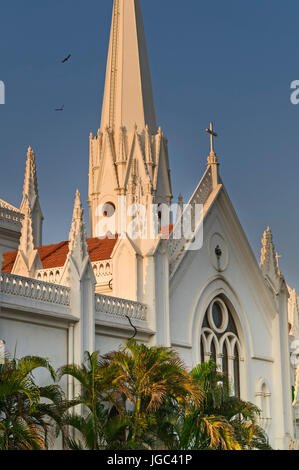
<point x="262" y="358"/>
<point x="6" y="205"/>
<point x="11" y="219"/>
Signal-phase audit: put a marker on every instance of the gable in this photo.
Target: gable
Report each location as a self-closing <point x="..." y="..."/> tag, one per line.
<point x="236" y="275"/>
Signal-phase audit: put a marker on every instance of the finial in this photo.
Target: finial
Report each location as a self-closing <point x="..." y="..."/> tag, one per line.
<point x="78" y="210"/>
<point x="212" y="158"/>
<point x="30" y="153"/>
<point x="269" y="257"/>
<point x="77" y="237"/>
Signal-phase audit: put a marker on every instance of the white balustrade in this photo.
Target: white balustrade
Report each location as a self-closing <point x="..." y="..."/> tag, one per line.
<point x="102" y="270"/>
<point x="121" y="307"/>
<point x="49" y="275"/>
<point x="34" y="289"/>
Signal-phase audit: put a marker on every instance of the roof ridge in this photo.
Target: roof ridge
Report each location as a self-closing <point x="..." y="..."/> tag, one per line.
<point x="55" y="246"/>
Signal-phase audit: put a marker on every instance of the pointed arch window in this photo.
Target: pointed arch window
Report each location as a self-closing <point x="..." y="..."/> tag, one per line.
<point x="225" y="358"/>
<point x="263" y="401"/>
<point x="213" y="352"/>
<point x="220" y="342"/>
<point x="236" y="371"/>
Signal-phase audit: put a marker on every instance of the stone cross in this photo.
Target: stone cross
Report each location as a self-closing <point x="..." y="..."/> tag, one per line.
<point x="212" y="135"/>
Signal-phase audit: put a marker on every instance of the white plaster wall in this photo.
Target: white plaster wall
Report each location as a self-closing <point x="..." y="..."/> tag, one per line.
<point x="8" y="243"/>
<point x="38" y="340"/>
<point x="105" y="344"/>
<point x="197" y="282"/>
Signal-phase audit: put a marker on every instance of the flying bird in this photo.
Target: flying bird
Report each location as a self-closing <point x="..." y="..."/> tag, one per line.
<point x="60" y="109"/>
<point x="66" y="59"/>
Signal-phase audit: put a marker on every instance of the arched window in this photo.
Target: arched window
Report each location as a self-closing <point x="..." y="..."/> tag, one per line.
<point x="213" y="352"/>
<point x="220" y="342"/>
<point x="225" y="358"/>
<point x="202" y="351"/>
<point x="263" y="397"/>
<point x="236" y="371"/>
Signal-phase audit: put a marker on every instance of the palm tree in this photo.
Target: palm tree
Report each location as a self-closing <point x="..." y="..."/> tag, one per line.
<point x="86" y="415"/>
<point x="235" y="419"/>
<point x="145" y="381"/>
<point x="120" y="395"/>
<point x="220" y="422"/>
<point x="142" y="397"/>
<point x="25" y="418"/>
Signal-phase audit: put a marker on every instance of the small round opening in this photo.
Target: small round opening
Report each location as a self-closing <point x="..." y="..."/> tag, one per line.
<point x="108" y="209"/>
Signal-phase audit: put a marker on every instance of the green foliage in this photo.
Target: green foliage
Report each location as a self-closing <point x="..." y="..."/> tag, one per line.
<point x="26" y="410"/>
<point x="136" y="398"/>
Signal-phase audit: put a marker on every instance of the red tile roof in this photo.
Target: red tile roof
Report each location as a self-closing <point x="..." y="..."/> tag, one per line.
<point x="54" y="256"/>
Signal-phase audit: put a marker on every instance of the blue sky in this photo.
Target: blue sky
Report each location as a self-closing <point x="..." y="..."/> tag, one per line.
<point x="231" y="62"/>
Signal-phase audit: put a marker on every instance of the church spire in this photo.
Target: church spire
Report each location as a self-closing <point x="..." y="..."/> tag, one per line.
<point x="129" y="154"/>
<point x="30" y="198"/>
<point x="128" y="97"/>
<point x="269" y="265"/>
<point x="30" y="190"/>
<point x="27" y="260"/>
<point x="268" y="255"/>
<point x="78" y="246"/>
<point x="26" y="240"/>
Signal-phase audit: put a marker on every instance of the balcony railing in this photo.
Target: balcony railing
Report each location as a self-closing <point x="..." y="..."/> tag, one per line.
<point x="34" y="290"/>
<point x="121" y="307"/>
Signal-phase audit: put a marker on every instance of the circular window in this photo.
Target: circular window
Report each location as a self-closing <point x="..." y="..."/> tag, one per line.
<point x="218" y="316"/>
<point x="108" y="209"/>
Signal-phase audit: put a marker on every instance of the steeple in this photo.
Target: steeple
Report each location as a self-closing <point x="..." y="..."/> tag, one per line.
<point x="27" y="260"/>
<point x="128" y="97"/>
<point x="269" y="265"/>
<point x="129" y="154"/>
<point x="78" y="245"/>
<point x="30" y="198"/>
<point x="26" y="240"/>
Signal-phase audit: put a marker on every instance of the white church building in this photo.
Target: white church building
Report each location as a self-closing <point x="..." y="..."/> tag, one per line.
<point x="216" y="302"/>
